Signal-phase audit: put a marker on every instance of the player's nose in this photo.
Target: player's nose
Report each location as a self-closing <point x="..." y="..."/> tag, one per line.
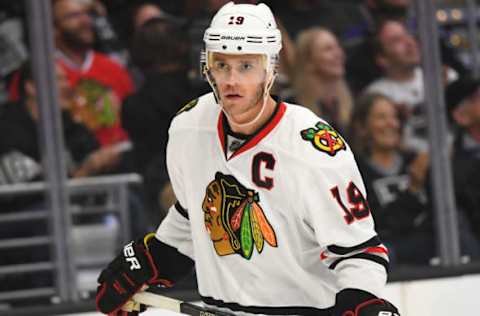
<point x="232" y="77"/>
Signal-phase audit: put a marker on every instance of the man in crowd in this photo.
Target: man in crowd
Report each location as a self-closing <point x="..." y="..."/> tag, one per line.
<point x="100" y="82"/>
<point x="463" y="103"/>
<point x="398" y="55"/>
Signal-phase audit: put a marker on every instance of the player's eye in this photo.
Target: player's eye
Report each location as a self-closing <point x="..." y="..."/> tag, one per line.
<point x="245" y="66"/>
<point x="220" y="65"/>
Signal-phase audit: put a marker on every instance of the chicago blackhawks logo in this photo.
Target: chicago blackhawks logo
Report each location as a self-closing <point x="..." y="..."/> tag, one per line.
<point x="234" y="219"/>
<point x="95" y="105"/>
<point x="324" y="138"/>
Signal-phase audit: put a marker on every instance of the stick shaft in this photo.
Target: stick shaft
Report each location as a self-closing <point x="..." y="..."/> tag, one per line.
<point x="155" y="300"/>
<point x="160" y="301"/>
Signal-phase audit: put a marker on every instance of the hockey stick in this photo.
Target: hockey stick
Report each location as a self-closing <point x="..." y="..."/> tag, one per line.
<point x="163" y="302"/>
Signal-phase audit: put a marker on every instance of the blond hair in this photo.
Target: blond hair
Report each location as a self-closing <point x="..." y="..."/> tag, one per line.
<point x="304" y="81"/>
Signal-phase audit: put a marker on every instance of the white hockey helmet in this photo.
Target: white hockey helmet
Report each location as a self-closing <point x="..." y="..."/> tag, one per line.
<point x="244" y="29"/>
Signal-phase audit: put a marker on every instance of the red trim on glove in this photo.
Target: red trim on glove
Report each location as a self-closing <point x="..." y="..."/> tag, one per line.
<point x="99" y="295"/>
<point x="116" y="285"/>
<point x="102" y="291"/>
<point x="153" y="279"/>
<point x="362" y="305"/>
<point x="128" y="279"/>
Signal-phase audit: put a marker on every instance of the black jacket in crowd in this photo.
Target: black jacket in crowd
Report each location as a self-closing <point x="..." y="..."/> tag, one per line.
<point x="146" y="116"/>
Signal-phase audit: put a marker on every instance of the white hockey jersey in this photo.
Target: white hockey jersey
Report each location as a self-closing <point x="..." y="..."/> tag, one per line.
<point x="280" y="225"/>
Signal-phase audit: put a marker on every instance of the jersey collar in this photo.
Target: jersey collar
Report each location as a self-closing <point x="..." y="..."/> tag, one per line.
<point x="251" y="140"/>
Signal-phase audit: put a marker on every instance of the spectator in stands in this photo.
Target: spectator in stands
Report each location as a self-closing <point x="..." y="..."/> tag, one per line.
<point x="397" y="183"/>
<point x="144" y="12"/>
<point x="395" y="179"/>
<point x="146" y="114"/>
<point x="100" y="82"/>
<point x="398" y="55"/>
<point x="463" y="103"/>
<point x="20" y="162"/>
<point x="319" y="76"/>
<point x="361" y="66"/>
<point x="19" y="121"/>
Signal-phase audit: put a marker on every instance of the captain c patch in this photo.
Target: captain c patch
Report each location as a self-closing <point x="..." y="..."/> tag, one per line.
<point x="324" y="138"/>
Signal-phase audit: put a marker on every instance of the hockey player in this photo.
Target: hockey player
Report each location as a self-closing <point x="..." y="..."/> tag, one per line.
<point x="271" y="207"/>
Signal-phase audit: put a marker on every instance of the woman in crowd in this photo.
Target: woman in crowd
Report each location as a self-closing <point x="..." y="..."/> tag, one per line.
<point x="319" y="81"/>
<point x="395" y="179"/>
<point x="397" y="183"/>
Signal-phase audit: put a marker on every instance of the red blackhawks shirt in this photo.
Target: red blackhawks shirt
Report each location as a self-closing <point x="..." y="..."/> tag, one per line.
<point x="100" y="85"/>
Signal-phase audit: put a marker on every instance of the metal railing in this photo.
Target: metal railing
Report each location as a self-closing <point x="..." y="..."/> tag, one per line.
<point x="115" y="195"/>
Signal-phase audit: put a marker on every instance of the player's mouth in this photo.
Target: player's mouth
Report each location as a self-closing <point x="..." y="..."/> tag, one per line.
<point x="233" y="96"/>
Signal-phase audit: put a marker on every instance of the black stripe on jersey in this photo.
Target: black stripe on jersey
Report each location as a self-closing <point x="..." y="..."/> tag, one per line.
<point x="284" y="310"/>
<point x="181" y="210"/>
<point x="374" y="241"/>
<point x="366" y="256"/>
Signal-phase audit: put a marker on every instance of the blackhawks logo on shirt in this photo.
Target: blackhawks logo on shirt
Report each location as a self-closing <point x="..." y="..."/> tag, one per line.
<point x="95" y="105"/>
<point x="324" y="138"/>
<point x="234" y="218"/>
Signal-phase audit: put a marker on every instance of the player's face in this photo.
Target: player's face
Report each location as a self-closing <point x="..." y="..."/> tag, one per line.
<point x="383" y="125"/>
<point x="212" y="213"/>
<point x="240" y="80"/>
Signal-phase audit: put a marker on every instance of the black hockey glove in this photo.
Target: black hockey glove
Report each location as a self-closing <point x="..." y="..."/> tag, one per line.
<point x="353" y="302"/>
<point x="133" y="268"/>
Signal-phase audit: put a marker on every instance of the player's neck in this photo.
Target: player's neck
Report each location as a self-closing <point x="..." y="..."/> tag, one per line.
<point x="250" y="128"/>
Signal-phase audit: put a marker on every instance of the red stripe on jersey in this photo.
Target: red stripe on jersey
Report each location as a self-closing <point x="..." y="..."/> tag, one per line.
<point x="221" y="132"/>
<point x="264" y="132"/>
<point x="376" y="250"/>
<point x="259" y="134"/>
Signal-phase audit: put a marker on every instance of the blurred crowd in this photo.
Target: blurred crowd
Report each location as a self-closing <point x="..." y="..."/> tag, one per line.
<point x="124" y="68"/>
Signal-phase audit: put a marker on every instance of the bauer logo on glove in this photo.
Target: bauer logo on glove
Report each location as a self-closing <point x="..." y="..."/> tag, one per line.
<point x="129" y="254"/>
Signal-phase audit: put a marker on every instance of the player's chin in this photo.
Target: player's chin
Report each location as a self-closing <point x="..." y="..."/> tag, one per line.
<point x="233" y="106"/>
